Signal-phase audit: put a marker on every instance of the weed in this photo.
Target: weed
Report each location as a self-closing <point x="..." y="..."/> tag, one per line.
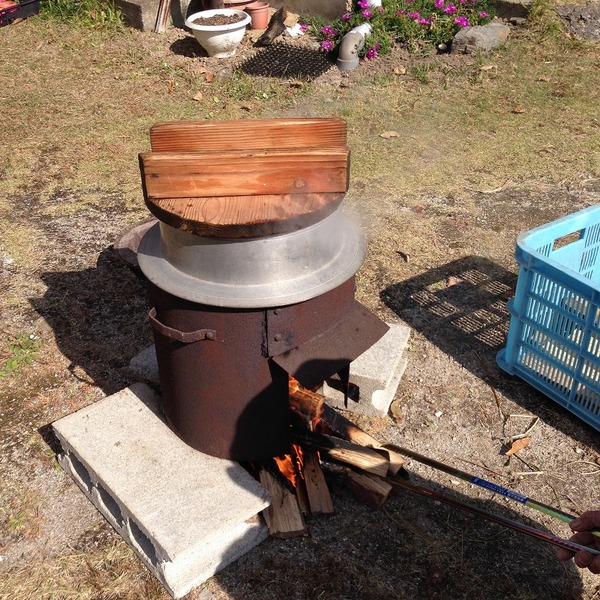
<point x="543" y="20"/>
<point x="90" y="14"/>
<point x="420" y="72"/>
<point x="21" y="353"/>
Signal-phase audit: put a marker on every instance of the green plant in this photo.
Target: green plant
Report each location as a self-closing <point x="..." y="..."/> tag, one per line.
<point x="418" y="24"/>
<point x="21" y="353"/>
<point x="92" y="14"/>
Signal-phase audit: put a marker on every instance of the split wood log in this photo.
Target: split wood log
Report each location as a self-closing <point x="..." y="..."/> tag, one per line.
<point x="349" y="430"/>
<point x="319" y="497"/>
<point x="337" y="449"/>
<point x="300" y="484"/>
<point x="244" y="173"/>
<point x="369" y="489"/>
<point x="275" y="28"/>
<point x="248" y="134"/>
<point x="283" y="516"/>
<point x="304" y="402"/>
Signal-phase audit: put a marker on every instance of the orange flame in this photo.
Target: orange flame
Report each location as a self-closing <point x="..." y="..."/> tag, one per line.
<point x="290" y="465"/>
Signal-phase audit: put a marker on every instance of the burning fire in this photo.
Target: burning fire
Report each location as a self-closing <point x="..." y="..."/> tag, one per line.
<point x="291" y="465"/>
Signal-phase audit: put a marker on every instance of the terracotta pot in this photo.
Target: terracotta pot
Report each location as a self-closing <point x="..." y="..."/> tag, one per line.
<point x="259" y="13"/>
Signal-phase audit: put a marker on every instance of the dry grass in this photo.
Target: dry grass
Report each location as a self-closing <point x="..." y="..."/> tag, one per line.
<point x="77" y="106"/>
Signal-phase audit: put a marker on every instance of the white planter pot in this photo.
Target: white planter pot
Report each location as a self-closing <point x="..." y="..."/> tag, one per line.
<point x="219" y="41"/>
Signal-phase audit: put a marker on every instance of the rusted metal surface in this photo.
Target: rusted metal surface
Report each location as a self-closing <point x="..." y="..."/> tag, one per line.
<point x="291" y="326"/>
<point x="333" y="349"/>
<point x="223" y="390"/>
<point x="222" y="396"/>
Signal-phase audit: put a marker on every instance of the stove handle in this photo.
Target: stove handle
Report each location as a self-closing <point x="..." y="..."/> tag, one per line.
<point x="186" y="337"/>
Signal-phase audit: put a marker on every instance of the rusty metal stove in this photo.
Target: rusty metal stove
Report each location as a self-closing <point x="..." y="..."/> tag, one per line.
<point x="247" y="288"/>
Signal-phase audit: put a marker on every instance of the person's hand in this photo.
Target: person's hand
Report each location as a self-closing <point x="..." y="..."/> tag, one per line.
<point x="583" y="525"/>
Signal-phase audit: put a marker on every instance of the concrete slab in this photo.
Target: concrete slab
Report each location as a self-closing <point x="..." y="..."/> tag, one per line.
<point x="377" y="373"/>
<point x="185" y="514"/>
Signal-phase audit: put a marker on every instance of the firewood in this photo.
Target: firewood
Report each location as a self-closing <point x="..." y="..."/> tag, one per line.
<point x="342" y="426"/>
<point x="369" y="489"/>
<point x="305" y="403"/>
<point x="275" y="28"/>
<point x="319" y="497"/>
<point x="162" y="18"/>
<point x="283" y="516"/>
<point x="337" y="449"/>
<point x="308" y="403"/>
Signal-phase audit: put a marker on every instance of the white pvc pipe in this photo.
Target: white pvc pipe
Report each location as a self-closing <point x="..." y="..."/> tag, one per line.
<point x="351" y="44"/>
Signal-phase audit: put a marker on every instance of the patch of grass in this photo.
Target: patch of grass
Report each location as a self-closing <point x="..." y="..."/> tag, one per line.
<point x="111" y="572"/>
<point x="20" y="354"/>
<point x="19" y="513"/>
<point x="91" y="14"/>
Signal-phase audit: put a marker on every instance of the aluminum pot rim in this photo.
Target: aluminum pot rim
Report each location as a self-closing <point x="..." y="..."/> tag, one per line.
<point x="306" y="282"/>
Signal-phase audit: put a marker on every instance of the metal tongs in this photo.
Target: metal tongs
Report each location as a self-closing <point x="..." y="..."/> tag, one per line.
<point x="531" y="531"/>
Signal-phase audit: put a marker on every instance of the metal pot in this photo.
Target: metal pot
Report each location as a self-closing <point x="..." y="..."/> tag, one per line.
<point x="274" y="270"/>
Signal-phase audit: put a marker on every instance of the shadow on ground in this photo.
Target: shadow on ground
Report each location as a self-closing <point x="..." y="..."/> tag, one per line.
<point x="99" y="317"/>
<point x="461" y="308"/>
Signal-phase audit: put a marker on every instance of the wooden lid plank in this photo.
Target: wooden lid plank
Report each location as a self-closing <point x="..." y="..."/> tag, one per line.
<point x="190" y="136"/>
<point x="235" y="173"/>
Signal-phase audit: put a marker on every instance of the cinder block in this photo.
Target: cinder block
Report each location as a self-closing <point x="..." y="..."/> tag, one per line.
<point x="144" y="367"/>
<point x="185" y="514"/>
<point x="376" y="373"/>
<point x="139" y="14"/>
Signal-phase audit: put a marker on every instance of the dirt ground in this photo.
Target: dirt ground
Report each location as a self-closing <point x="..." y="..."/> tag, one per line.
<point x="441" y="265"/>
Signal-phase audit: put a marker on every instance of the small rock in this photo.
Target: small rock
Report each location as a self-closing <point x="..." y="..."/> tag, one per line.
<point x="480" y="37"/>
<point x="581" y="19"/>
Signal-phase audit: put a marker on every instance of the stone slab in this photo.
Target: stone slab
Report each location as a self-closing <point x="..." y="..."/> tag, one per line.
<point x="185" y="514"/>
<point x="377" y="373"/>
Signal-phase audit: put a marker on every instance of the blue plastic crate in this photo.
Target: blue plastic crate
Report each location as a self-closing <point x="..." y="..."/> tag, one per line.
<point x="553" y="341"/>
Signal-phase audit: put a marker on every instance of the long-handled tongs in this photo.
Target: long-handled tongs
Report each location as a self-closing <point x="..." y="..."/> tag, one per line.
<point x="531" y="531"/>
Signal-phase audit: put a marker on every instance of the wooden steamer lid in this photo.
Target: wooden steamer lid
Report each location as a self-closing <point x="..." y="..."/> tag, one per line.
<point x="249" y="211"/>
<point x="245" y="178"/>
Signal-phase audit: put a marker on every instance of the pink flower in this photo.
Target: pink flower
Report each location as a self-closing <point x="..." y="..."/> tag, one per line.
<point x="424" y="21"/>
<point x="450" y="9"/>
<point x="363" y="3"/>
<point x="329" y="31"/>
<point x="303" y="27"/>
<point x="327" y="46"/>
<point x="462" y="21"/>
<point x="367" y="14"/>
<point x="483" y="14"/>
<point x="414" y="15"/>
<point x="346" y="16"/>
<point x="438" y="3"/>
<point x="372" y="52"/>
